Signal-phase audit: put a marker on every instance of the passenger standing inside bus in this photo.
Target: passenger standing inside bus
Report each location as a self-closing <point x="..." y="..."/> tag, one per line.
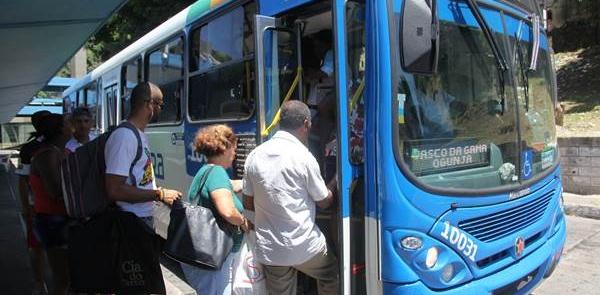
<point x="82" y="121"/>
<point x="282" y="183"/>
<point x="218" y="144"/>
<point x="36" y="253"/>
<point x="51" y="220"/>
<point x="326" y="129"/>
<point x="120" y="151"/>
<point x="435" y="105"/>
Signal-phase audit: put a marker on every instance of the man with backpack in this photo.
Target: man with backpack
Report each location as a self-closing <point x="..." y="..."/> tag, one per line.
<point x="129" y="263"/>
<point x="135" y="189"/>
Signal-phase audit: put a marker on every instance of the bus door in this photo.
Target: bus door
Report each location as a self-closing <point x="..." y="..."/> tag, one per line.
<point x="290" y="49"/>
<point x="349" y="27"/>
<point x="278" y="72"/>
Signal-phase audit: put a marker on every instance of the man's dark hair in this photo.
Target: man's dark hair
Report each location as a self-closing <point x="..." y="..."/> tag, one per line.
<point x="37" y="119"/>
<point x="293" y="114"/>
<point x="142" y="93"/>
<point x="53" y="126"/>
<point x="81" y="112"/>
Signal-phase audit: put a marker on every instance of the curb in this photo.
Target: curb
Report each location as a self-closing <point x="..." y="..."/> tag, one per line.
<point x="583" y="211"/>
<point x="174" y="285"/>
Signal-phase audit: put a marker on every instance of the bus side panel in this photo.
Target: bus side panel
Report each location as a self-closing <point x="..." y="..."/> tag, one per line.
<point x="167" y="150"/>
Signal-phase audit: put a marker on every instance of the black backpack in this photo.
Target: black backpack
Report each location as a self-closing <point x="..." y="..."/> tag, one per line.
<point x="83" y="174"/>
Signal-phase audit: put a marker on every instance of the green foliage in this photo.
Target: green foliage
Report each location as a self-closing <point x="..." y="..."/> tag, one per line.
<point x="64" y="72"/>
<point x="131" y="22"/>
<point x="42" y="94"/>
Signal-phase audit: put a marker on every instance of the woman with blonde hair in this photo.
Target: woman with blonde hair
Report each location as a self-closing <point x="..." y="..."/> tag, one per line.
<point x="218" y="144"/>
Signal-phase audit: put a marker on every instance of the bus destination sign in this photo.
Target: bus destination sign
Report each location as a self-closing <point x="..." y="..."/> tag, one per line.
<point x="432" y="158"/>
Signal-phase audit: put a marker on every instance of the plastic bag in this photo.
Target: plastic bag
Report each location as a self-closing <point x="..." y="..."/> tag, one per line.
<point x="248" y="274"/>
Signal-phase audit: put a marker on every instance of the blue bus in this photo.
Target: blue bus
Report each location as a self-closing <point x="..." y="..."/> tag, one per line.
<point x="436" y="115"/>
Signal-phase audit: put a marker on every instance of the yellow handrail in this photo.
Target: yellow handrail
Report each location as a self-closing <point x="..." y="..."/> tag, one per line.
<point x="357" y="94"/>
<point x="277" y="117"/>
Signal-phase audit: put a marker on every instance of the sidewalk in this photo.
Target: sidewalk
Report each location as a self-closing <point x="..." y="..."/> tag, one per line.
<point x="17" y="277"/>
<point x="582" y="205"/>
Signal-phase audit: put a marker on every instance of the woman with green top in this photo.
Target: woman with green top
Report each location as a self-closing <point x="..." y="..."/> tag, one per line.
<point x="217" y="143"/>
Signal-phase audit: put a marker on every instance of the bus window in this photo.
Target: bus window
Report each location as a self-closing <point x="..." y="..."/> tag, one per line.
<point x="165" y="69"/>
<point x="111" y="106"/>
<point x="70" y="102"/>
<point x="456" y="131"/>
<point x="131" y="75"/>
<point x="81" y="97"/>
<point x="91" y="98"/>
<point x="222" y="67"/>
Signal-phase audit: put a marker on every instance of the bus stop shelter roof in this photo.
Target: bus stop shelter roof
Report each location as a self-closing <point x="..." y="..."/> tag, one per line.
<point x="38" y="37"/>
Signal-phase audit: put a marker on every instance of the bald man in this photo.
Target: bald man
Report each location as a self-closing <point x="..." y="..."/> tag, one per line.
<point x="136" y="191"/>
<point x="283" y="184"/>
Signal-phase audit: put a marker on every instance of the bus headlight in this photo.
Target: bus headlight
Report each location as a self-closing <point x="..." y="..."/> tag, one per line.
<point x="411" y="243"/>
<point x="434" y="263"/>
<point x="448" y="273"/>
<point x="432" y="257"/>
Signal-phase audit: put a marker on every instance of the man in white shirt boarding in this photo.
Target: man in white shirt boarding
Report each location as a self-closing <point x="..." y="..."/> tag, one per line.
<point x="282" y="184"/>
<point x="137" y="191"/>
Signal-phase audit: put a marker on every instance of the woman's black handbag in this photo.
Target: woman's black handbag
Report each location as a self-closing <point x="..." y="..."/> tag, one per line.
<point x="198" y="235"/>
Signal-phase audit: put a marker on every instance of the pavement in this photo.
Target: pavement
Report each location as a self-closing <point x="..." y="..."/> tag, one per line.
<point x="578" y="271"/>
<point x="587" y="206"/>
<point x="17" y="277"/>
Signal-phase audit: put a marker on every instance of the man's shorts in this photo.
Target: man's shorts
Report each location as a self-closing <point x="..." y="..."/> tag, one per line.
<point x="51" y="230"/>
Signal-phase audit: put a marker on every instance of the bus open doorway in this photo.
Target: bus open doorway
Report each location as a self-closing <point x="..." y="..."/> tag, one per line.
<point x="298" y="63"/>
<point x="298" y="57"/>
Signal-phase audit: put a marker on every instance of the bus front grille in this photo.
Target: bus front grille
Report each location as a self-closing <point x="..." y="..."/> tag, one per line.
<point x="503" y="223"/>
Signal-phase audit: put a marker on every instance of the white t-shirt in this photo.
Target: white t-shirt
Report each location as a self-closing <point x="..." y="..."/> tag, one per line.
<point x="73" y="144"/>
<point x="121" y="148"/>
<point x="285" y="180"/>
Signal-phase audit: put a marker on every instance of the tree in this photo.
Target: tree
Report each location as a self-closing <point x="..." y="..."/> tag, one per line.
<point x="131" y="22"/>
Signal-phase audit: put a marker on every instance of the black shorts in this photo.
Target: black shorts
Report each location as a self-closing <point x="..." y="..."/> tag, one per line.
<point x="51" y="230"/>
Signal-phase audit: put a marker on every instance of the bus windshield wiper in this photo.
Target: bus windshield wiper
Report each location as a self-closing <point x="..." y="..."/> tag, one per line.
<point x="500" y="61"/>
<point x="535" y="22"/>
<point x="524" y="72"/>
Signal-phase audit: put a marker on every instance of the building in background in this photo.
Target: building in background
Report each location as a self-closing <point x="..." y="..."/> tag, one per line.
<point x="18" y="130"/>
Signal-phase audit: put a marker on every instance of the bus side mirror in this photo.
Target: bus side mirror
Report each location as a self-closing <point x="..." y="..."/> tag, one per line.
<point x="419" y="36"/>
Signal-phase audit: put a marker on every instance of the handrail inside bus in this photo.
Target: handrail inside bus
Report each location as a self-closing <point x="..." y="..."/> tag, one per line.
<point x="357" y="94"/>
<point x="277" y="117"/>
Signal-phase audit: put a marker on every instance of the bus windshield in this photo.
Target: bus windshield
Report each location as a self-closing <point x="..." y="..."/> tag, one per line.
<point x="460" y="128"/>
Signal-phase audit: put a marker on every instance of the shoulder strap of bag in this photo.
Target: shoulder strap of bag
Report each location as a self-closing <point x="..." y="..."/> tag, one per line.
<point x="138" y="154"/>
<point x="203" y="182"/>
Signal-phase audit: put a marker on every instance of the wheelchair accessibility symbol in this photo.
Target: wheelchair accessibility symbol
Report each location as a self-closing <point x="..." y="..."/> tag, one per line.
<point x="527" y="164"/>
